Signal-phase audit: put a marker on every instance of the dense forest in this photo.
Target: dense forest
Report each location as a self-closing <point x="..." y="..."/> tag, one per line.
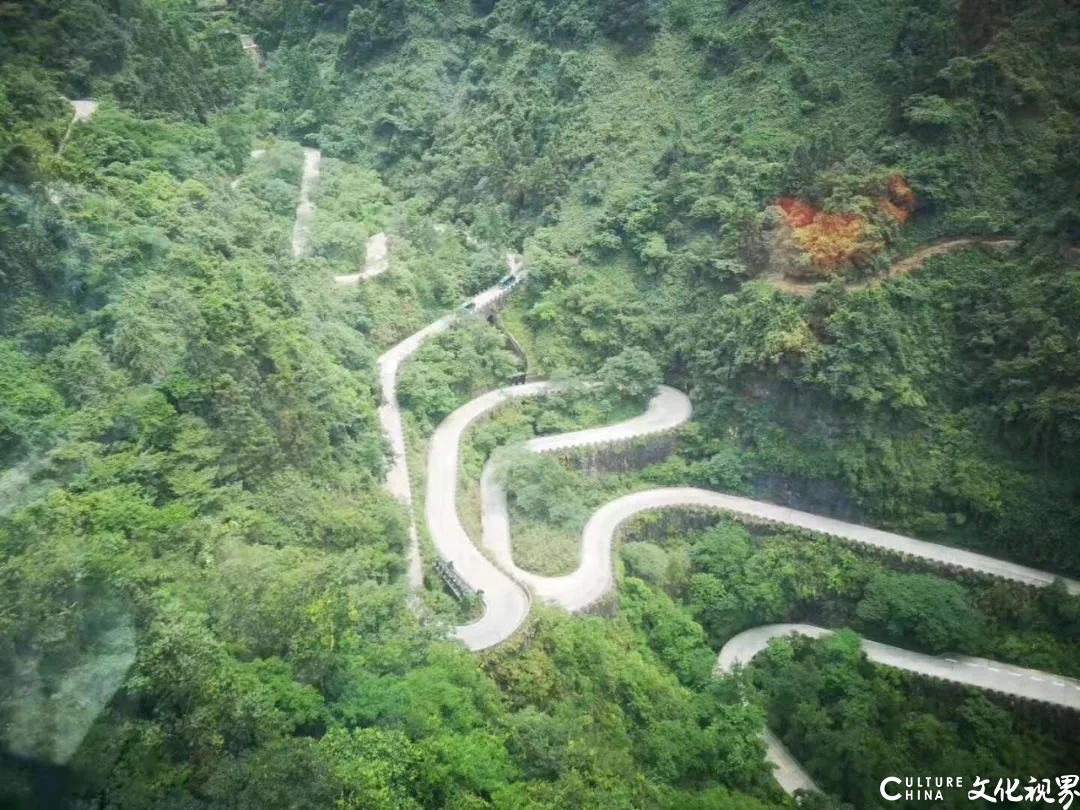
<point x="850" y="230"/>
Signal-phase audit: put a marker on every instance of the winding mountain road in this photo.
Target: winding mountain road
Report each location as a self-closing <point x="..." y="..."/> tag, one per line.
<point x="1030" y="684"/>
<point x="503" y="583"/>
<point x="397" y="481"/>
<point x="994" y="676"/>
<point x="594" y="576"/>
<point x="508" y="590"/>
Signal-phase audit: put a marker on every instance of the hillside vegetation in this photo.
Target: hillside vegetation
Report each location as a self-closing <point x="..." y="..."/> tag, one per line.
<point x="640" y="163"/>
<point x="202" y="595"/>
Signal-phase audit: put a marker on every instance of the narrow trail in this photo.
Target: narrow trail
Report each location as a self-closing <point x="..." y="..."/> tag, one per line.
<point x="915" y="261"/>
<point x="251" y="48"/>
<point x="376" y="261"/>
<point x="305" y="210"/>
<point x="82" y="110"/>
<point x="255" y="155"/>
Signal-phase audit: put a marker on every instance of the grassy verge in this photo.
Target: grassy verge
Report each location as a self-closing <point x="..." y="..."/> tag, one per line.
<point x="544" y="549"/>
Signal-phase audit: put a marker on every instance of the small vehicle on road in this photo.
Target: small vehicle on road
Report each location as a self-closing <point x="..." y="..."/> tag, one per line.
<point x="510" y="281"/>
<point x="468" y="307"/>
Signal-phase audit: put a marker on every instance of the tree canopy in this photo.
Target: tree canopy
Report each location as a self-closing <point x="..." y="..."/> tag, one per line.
<point x="203" y="600"/>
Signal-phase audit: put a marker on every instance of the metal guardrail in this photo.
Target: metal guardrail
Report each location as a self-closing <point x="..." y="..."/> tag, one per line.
<point x="458" y="586"/>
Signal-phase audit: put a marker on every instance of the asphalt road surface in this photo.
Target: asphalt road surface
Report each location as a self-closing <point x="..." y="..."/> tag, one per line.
<point x="1006" y="679"/>
<point x="507" y="590"/>
<point x="594" y="576"/>
<point x="397" y="481"/>
<point x="501" y="580"/>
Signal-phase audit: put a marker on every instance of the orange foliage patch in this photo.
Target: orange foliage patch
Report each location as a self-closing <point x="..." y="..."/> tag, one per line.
<point x="799" y="214"/>
<point x="831" y="240"/>
<point x="893" y="210"/>
<point x="901" y="200"/>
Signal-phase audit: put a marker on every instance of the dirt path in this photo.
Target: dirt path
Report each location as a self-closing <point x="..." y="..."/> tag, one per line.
<point x="376" y="261"/>
<point x="913" y="262"/>
<point x="305" y="210"/>
<point x="82" y="110"/>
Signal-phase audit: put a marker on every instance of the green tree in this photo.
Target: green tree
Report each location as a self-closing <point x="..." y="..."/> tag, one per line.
<point x="933" y="613"/>
<point x="374" y="27"/>
<point x="541" y="488"/>
<point x="647" y="561"/>
<point x="631" y="22"/>
<point x="633" y="373"/>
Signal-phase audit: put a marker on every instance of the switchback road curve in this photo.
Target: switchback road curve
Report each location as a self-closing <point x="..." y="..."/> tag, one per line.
<point x="397" y="481"/>
<point x="1007" y="679"/>
<point x="1030" y="684"/>
<point x="504" y="584"/>
<point x="376" y="261"/>
<point x="508" y="590"/>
